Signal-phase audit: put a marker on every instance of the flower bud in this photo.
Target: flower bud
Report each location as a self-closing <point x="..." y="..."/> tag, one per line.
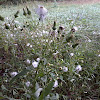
<point x="16" y="14"/>
<point x="1" y="18"/>
<point x="75" y="45"/>
<point x="24" y="12"/>
<point x="69" y="38"/>
<point x="28" y="11"/>
<point x="54" y="26"/>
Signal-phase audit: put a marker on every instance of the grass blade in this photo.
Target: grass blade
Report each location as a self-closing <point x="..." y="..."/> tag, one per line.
<point x="47" y="90"/>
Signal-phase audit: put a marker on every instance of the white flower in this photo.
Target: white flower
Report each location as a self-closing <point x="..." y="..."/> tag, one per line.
<point x="45" y="32"/>
<point x="7" y="19"/>
<point x="99" y="55"/>
<point x="13" y="74"/>
<point x="28" y="61"/>
<point x="46" y="40"/>
<point x="76" y="28"/>
<point x="65" y="69"/>
<point x="15" y="44"/>
<point x="8" y="25"/>
<point x="94" y="32"/>
<point x="6" y="80"/>
<point x="51" y="41"/>
<point x="17" y="22"/>
<point x="71" y="54"/>
<point x="32" y="36"/>
<point x="89" y="40"/>
<point x="27" y="83"/>
<point x="11" y="35"/>
<point x="37" y="93"/>
<point x="55" y="84"/>
<point x="55" y="53"/>
<point x="19" y="27"/>
<point x="78" y="68"/>
<point x="15" y="29"/>
<point x="42" y="12"/>
<point x="72" y="80"/>
<point x="28" y="44"/>
<point x="38" y="59"/>
<point x="35" y="64"/>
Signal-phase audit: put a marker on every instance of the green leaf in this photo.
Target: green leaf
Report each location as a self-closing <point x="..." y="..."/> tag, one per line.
<point x="3" y="87"/>
<point x="41" y="74"/>
<point x="47" y="90"/>
<point x="19" y="75"/>
<point x="6" y="47"/>
<point x="1" y="97"/>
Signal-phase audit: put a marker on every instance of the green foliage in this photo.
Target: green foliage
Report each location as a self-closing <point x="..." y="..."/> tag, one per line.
<point x="48" y="61"/>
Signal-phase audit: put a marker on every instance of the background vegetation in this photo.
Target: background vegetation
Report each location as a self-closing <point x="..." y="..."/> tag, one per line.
<point x="23" y="1"/>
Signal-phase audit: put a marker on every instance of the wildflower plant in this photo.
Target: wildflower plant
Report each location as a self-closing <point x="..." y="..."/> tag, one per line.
<point x="46" y="63"/>
<point x="42" y="12"/>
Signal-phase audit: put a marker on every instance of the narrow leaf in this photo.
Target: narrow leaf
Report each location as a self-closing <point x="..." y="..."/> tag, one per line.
<point x="1" y="97"/>
<point x="46" y="91"/>
<point x="20" y="74"/>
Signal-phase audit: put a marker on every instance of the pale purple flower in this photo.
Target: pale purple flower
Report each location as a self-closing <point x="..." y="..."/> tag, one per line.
<point x="13" y="74"/>
<point x="38" y="59"/>
<point x="7" y="19"/>
<point x="71" y="54"/>
<point x="42" y="12"/>
<point x="27" y="83"/>
<point x="35" y="64"/>
<point x="28" y="61"/>
<point x="78" y="68"/>
<point x="65" y="69"/>
<point x="11" y="35"/>
<point x="89" y="40"/>
<point x="8" y="25"/>
<point x="55" y="84"/>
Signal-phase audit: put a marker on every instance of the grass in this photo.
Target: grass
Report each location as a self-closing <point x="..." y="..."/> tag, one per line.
<point x="46" y="66"/>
